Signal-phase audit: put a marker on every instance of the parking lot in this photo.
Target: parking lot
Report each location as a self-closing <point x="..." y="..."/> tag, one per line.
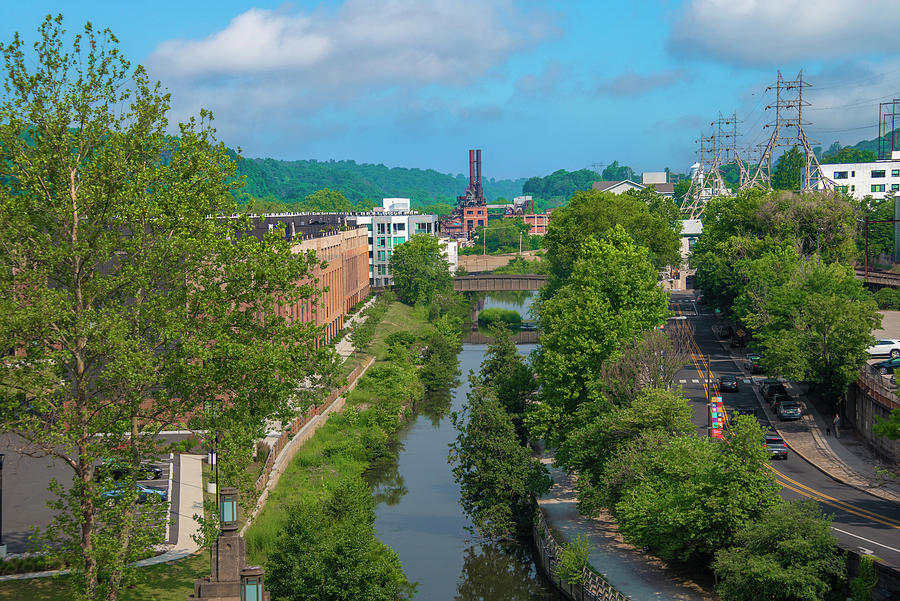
<point x="25" y="493"/>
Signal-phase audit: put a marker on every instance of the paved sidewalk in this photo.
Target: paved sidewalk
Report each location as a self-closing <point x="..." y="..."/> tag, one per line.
<point x="632" y="571"/>
<point x="345" y="347"/>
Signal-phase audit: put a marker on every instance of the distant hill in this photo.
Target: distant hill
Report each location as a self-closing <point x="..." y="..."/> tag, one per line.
<point x="864" y="145"/>
<point x="290" y="182"/>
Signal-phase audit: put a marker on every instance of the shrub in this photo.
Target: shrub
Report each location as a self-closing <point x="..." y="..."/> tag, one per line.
<point x="573" y="559"/>
<point x="495" y="315"/>
<point x="888" y="299"/>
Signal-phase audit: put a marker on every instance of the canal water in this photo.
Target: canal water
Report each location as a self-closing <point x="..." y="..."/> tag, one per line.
<point x="419" y="516"/>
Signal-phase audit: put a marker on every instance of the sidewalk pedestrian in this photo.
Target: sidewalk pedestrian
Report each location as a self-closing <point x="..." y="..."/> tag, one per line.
<point x="837" y="425"/>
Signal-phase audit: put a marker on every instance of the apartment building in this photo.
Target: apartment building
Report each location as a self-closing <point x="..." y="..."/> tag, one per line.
<point x="859" y="180"/>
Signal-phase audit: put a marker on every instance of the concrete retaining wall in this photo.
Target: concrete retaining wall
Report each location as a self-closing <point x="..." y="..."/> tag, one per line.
<point x="861" y="409"/>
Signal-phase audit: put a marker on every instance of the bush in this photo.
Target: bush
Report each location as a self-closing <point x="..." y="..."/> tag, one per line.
<point x="497" y="316"/>
<point x="573" y="559"/>
<point x="888" y="299"/>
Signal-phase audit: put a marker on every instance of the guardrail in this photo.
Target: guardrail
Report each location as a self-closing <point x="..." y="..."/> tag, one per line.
<point x="594" y="587"/>
<point x="877" y="387"/>
<point x="302" y="420"/>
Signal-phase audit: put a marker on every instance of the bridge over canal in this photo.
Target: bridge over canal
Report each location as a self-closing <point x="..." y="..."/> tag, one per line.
<point x="492" y="282"/>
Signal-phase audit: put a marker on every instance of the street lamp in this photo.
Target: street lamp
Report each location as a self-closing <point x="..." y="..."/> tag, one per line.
<point x="228" y="519"/>
<point x="252" y="584"/>
<point x="2" y="545"/>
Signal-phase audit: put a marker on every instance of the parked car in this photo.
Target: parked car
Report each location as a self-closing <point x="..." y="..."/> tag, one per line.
<point x="887" y="366"/>
<point x="789" y="410"/>
<point x="119" y="470"/>
<point x="754" y="363"/>
<point x="145" y="494"/>
<point x="778" y="399"/>
<point x="728" y="382"/>
<point x="775" y="445"/>
<point x="885" y="346"/>
<point x="770" y="392"/>
<point x="765" y="383"/>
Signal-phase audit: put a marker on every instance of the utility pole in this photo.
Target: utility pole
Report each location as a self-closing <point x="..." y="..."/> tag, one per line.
<point x="787" y="131"/>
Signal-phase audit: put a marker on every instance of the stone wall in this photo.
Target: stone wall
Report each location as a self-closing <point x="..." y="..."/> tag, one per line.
<point x="866" y="400"/>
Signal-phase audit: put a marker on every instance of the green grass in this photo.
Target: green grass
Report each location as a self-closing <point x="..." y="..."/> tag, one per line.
<point x="398" y="317"/>
<point x="166" y="582"/>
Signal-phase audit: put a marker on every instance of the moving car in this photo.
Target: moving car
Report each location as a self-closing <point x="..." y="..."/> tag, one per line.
<point x="887" y="366"/>
<point x="775" y="445"/>
<point x="728" y="382"/>
<point x="885" y="346"/>
<point x="789" y="410"/>
<point x="119" y="470"/>
<point x="754" y="363"/>
<point x="145" y="494"/>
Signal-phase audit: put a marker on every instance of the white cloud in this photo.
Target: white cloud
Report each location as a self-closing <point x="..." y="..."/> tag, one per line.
<point x="295" y="71"/>
<point x="768" y="32"/>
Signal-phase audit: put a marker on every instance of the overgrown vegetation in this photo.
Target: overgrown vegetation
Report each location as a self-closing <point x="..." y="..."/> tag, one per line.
<point x="497" y="316"/>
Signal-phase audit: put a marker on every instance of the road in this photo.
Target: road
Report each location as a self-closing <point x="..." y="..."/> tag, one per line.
<point x="862" y="522"/>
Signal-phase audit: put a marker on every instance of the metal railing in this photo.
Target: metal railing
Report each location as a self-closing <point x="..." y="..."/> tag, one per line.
<point x="594" y="587"/>
<point x="878" y="387"/>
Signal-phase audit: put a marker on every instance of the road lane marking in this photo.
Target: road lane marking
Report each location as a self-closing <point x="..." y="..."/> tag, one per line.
<point x="695" y="381"/>
<point x="865" y="539"/>
<point x="682" y="381"/>
<point x="838" y="504"/>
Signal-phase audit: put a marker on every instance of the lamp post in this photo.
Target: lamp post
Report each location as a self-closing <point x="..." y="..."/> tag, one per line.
<point x="2" y="544"/>
<point x="252" y="584"/>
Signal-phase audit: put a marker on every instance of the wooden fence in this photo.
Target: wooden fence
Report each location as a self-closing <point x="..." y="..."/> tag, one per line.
<point x="304" y="419"/>
<point x="594" y="587"/>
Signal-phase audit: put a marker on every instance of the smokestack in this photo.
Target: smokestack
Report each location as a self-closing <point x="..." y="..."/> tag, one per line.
<point x="478" y="166"/>
<point x="471" y="168"/>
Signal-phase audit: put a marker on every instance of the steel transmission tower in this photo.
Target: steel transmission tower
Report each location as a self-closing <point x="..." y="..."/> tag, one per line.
<point x="787" y="131"/>
<point x="888" y="113"/>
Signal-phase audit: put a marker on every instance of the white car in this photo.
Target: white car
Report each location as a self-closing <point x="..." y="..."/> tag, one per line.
<point x="885" y="347"/>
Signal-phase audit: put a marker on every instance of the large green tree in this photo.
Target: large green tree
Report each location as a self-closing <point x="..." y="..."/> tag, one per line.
<point x="816" y="325"/>
<point x="788" y="554"/>
<point x="594" y="214"/>
<point x="420" y="270"/>
<point x="328" y="201"/>
<point x="498" y="477"/>
<point x="685" y="497"/>
<point x="611" y="297"/>
<point x="126" y="306"/>
<point x="788" y="170"/>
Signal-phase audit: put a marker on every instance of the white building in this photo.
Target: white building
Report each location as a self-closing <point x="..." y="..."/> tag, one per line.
<point x="450" y="248"/>
<point x="865" y="179"/>
<point x="389" y="226"/>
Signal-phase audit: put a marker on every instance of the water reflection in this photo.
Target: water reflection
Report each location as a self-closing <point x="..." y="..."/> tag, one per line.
<point x="436" y="406"/>
<point x="500" y="571"/>
<point x="386" y="480"/>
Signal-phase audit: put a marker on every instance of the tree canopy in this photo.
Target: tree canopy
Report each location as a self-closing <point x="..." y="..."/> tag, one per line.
<point x="420" y="270"/>
<point x="119" y="294"/>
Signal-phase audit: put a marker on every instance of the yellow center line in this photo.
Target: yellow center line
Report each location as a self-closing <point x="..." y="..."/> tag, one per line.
<point x="838" y="505"/>
<point x="834" y="502"/>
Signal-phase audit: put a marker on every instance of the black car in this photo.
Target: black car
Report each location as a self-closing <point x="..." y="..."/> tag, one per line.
<point x="728" y="383"/>
<point x="773" y="390"/>
<point x="775" y="445"/>
<point x="723" y="332"/>
<point x="887" y="366"/>
<point x="116" y="470"/>
<point x="754" y="364"/>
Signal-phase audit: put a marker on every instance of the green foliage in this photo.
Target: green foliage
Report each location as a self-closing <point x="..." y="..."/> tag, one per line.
<point x="849" y="154"/>
<point x="496" y="315"/>
<point x="788" y="554"/>
<point x="328" y="552"/>
<point x="816" y="325"/>
<point x="889" y="428"/>
<point x="326" y="201"/>
<point x="611" y="297"/>
<point x="594" y="214"/>
<point x="787" y="171"/>
<point x="522" y="266"/>
<point x="440" y="366"/>
<point x="560" y="185"/>
<point x="512" y="379"/>
<point x="421" y="271"/>
<point x="503" y="236"/>
<point x="120" y="287"/>
<point x="498" y="477"/>
<point x="290" y="182"/>
<point x="573" y="560"/>
<point x="888" y="299"/>
<point x="364" y="332"/>
<point x="616" y="172"/>
<point x="861" y="586"/>
<point x="661" y="489"/>
<point x="601" y="431"/>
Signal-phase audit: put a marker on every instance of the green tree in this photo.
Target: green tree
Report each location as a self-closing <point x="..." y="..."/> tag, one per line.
<point x="661" y="489"/>
<point x="503" y="236"/>
<point x="889" y="428"/>
<point x="848" y="154"/>
<point x="611" y="297"/>
<point x="512" y="378"/>
<point x="328" y="201"/>
<point x="594" y="214"/>
<point x="787" y="171"/>
<point x="788" y="554"/>
<point x="420" y="270"/>
<point x="498" y="477"/>
<point x="118" y="292"/>
<point x="328" y="551"/>
<point x="816" y="326"/>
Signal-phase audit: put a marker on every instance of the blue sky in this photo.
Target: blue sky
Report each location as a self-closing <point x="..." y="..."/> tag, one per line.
<point x="539" y="86"/>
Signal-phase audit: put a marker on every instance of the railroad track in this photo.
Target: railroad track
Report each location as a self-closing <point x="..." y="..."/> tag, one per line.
<point x="885" y="278"/>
